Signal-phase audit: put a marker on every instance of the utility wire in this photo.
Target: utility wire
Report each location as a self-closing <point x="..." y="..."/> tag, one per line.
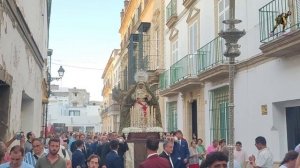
<point x="78" y="67"/>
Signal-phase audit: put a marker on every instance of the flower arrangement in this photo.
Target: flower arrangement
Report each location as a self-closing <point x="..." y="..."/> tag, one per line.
<point x="126" y="130"/>
<point x="154" y="129"/>
<point x="131" y="129"/>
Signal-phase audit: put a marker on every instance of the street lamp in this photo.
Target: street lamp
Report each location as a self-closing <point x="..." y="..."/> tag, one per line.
<point x="231" y="36"/>
<point x="61" y="73"/>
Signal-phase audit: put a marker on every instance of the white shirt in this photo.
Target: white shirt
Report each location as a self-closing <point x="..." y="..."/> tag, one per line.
<point x="297" y="148"/>
<point x="240" y="156"/>
<point x="264" y="158"/>
<point x="170" y="159"/>
<point x="283" y="166"/>
<point x="236" y="164"/>
<point x="60" y="153"/>
<point x="115" y="151"/>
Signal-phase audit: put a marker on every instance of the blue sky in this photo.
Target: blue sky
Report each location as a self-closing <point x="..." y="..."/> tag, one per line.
<point x="82" y="35"/>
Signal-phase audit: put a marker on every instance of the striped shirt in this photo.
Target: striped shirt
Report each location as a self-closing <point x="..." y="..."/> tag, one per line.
<point x="31" y="158"/>
<point x="23" y="165"/>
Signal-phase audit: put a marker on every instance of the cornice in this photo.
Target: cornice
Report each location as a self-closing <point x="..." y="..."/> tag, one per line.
<point x="253" y="62"/>
<point x="127" y="16"/>
<point x="109" y="63"/>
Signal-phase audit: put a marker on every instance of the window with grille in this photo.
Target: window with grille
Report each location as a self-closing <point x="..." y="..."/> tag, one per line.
<point x="172" y="116"/>
<point x="219" y="113"/>
<point x="223" y="14"/>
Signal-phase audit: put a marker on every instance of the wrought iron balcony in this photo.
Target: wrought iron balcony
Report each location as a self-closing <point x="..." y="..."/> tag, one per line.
<point x="201" y="64"/>
<point x="211" y="54"/>
<point x="164" y="80"/>
<point x="151" y="62"/>
<point x="186" y="67"/>
<point x="273" y="12"/>
<point x="171" y="15"/>
<point x="278" y="41"/>
<point x="181" y="76"/>
<point x="189" y="72"/>
<point x="211" y="60"/>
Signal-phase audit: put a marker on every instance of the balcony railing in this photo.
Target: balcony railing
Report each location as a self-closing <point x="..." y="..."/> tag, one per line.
<point x="151" y="62"/>
<point x="186" y="67"/>
<point x="271" y="13"/>
<point x="164" y="80"/>
<point x="171" y="9"/>
<point x="207" y="57"/>
<point x="211" y="54"/>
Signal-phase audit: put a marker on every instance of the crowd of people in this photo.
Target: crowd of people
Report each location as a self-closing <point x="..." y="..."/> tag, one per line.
<point x="180" y="155"/>
<point x="107" y="150"/>
<point x="67" y="150"/>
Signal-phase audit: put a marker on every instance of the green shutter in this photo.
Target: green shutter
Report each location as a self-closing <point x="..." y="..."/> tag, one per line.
<point x="172" y="116"/>
<point x="219" y="113"/>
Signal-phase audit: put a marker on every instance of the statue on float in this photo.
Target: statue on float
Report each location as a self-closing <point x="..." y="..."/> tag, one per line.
<point x="140" y="108"/>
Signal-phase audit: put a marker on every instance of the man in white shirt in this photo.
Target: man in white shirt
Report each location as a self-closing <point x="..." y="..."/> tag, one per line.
<point x="239" y="154"/>
<point x="264" y="157"/>
<point x="297" y="148"/>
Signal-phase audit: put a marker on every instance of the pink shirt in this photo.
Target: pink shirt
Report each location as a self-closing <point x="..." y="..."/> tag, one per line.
<point x="6" y="157"/>
<point x="211" y="149"/>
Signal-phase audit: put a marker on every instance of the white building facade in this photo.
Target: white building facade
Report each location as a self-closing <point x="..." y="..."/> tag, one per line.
<point x="195" y="82"/>
<point x="71" y="110"/>
<point x="23" y="51"/>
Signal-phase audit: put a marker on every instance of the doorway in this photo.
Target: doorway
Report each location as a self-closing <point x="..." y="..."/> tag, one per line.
<point x="293" y="126"/>
<point x="4" y="107"/>
<point x="194" y="119"/>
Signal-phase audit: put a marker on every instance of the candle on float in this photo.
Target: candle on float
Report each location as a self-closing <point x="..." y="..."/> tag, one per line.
<point x="131" y="117"/>
<point x="151" y="115"/>
<point x="154" y="117"/>
<point x="148" y="117"/>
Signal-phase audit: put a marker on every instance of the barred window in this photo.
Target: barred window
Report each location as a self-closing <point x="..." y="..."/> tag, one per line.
<point x="219" y="113"/>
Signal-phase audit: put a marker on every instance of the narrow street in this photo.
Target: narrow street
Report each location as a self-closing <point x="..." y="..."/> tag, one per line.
<point x="150" y="84"/>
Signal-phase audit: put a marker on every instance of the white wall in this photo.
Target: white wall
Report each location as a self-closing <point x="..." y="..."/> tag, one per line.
<point x="275" y="83"/>
<point x="35" y="14"/>
<point x="59" y="113"/>
<point x="19" y="62"/>
<point x="271" y="83"/>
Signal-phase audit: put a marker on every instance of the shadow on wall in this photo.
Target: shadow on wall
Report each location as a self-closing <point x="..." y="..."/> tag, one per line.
<point x="27" y="111"/>
<point x="4" y="107"/>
